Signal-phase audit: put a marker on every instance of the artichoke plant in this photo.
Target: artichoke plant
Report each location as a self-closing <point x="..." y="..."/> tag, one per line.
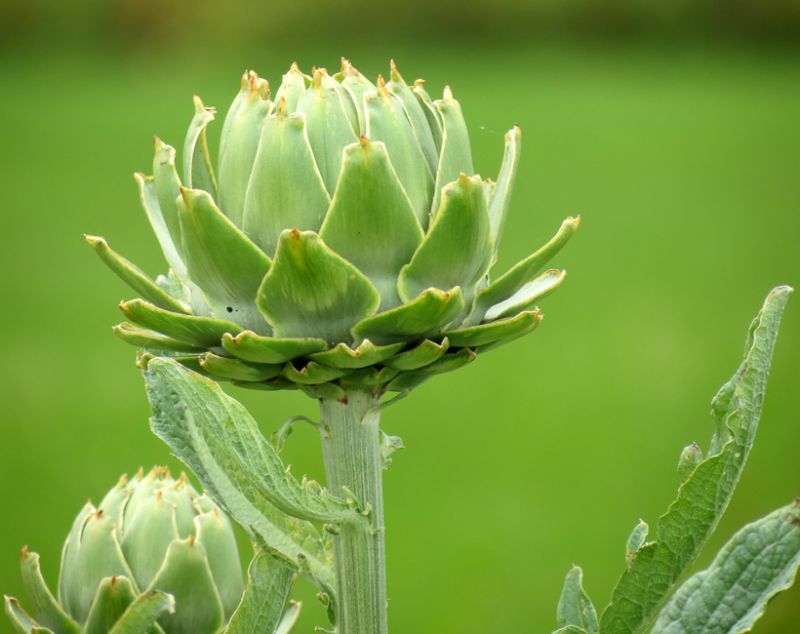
<point x="153" y="549"/>
<point x="344" y="240"/>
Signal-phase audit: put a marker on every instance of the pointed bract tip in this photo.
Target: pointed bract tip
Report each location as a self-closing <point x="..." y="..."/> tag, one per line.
<point x="348" y="69"/>
<point x="24" y="552"/>
<point x="280" y="108"/>
<point x="447" y="94"/>
<point x="294" y="234"/>
<point x="363" y="141"/>
<point x="381" y="84"/>
<point x="244" y="81"/>
<point x="394" y="73"/>
<point x="294" y="68"/>
<point x="191" y="539"/>
<point x="198" y="104"/>
<point x="317" y="77"/>
<point x="94" y="241"/>
<point x="419" y="83"/>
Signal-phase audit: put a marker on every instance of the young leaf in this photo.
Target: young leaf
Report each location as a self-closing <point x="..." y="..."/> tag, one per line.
<point x="216" y="437"/>
<point x="269" y="580"/>
<point x="575" y="607"/>
<point x="760" y="561"/>
<point x="705" y="494"/>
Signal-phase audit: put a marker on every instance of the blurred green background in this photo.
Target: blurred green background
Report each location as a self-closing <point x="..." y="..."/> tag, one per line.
<point x="672" y="128"/>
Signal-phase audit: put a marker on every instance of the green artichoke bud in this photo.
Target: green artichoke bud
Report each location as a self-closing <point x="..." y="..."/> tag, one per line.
<point x="345" y="240"/>
<point x="154" y="549"/>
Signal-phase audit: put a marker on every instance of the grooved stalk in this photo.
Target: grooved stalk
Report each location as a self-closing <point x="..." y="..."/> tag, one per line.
<point x="352" y="453"/>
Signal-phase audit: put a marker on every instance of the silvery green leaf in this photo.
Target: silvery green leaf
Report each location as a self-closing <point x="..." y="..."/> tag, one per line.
<point x="269" y="580"/>
<point x="219" y="440"/>
<point x="575" y="607"/>
<point x="728" y="597"/>
<point x="636" y="540"/>
<point x="289" y="618"/>
<point x="704" y="496"/>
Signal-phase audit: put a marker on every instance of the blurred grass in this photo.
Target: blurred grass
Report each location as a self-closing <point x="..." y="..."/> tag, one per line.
<point x="683" y="164"/>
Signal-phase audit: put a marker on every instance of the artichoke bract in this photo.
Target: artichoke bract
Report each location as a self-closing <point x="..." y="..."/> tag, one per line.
<point x="343" y="241"/>
<point x="153" y="550"/>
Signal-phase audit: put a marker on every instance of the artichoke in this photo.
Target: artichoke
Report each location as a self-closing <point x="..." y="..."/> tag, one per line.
<point x="153" y="549"/>
<point x="343" y="242"/>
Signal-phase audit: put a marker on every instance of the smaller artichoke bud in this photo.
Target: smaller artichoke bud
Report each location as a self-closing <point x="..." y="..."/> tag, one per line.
<point x="152" y="540"/>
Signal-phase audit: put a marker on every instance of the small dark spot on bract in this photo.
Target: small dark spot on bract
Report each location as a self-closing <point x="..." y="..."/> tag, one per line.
<point x="229" y="309"/>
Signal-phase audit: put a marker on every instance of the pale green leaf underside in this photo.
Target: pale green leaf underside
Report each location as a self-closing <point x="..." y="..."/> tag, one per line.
<point x="704" y="496"/>
<point x="760" y="561"/>
<point x="575" y="607"/>
<point x="218" y="439"/>
<point x="269" y="580"/>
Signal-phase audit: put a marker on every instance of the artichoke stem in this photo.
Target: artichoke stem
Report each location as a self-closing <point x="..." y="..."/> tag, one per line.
<point x="353" y="464"/>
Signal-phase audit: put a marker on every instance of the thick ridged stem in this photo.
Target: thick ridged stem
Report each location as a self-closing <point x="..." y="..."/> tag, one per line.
<point x="352" y="451"/>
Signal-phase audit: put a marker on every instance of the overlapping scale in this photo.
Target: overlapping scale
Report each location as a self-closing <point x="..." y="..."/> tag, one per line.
<point x="344" y="241"/>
